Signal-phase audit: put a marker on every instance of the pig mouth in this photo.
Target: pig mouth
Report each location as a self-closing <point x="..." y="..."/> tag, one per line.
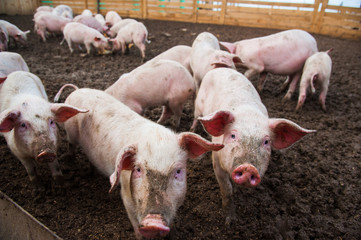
<point x="45" y="156"/>
<point x="153" y="226"/>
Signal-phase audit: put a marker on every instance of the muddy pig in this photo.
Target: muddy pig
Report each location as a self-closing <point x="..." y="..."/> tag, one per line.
<point x="11" y="62"/>
<point x="206" y="55"/>
<point x="146" y="159"/>
<point x="317" y="71"/>
<point x="157" y="82"/>
<point x="282" y="53"/>
<point x="27" y="121"/>
<point x="78" y="33"/>
<point x="231" y="110"/>
<point x="15" y="33"/>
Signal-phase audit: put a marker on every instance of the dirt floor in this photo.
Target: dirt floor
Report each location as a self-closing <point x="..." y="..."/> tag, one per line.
<point x="310" y="191"/>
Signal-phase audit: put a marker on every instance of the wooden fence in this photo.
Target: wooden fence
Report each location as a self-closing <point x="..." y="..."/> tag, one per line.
<point x="318" y="17"/>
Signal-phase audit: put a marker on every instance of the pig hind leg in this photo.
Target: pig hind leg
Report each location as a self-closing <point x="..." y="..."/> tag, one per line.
<point x="262" y="81"/>
<point x="294" y="80"/>
<point x="166" y="113"/>
<point x="322" y="97"/>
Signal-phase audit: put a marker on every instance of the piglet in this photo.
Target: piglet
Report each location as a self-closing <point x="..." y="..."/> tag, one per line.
<point x="89" y="21"/>
<point x="113" y="31"/>
<point x="4" y="38"/>
<point x="78" y="33"/>
<point x="15" y="33"/>
<point x="27" y="121"/>
<point x="100" y="19"/>
<point x="231" y="110"/>
<point x="87" y="12"/>
<point x="134" y="32"/>
<point x="11" y="62"/>
<point x="47" y="22"/>
<point x="317" y="71"/>
<point x="206" y="55"/>
<point x="146" y="159"/>
<point x="63" y="11"/>
<point x="282" y="53"/>
<point x="158" y="82"/>
<point x="44" y="9"/>
<point x="111" y="18"/>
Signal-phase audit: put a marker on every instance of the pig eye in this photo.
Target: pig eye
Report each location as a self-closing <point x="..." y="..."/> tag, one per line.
<point x="233" y="136"/>
<point x="266" y="142"/>
<point x="138" y="170"/>
<point x="23" y="125"/>
<point x="51" y="122"/>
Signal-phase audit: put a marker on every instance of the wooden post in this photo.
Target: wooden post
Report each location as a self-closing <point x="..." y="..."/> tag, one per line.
<point x="195" y="11"/>
<point x="319" y="22"/>
<point x="223" y="11"/>
<point x="315" y="15"/>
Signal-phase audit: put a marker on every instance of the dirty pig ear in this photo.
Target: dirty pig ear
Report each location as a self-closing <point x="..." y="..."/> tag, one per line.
<point x="285" y="132"/>
<point x="216" y="122"/>
<point x="125" y="161"/>
<point x="8" y="119"/>
<point x="195" y="145"/>
<point x="64" y="111"/>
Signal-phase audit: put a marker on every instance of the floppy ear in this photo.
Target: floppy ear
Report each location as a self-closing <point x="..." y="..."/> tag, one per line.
<point x="8" y="119"/>
<point x="64" y="111"/>
<point x="125" y="161"/>
<point x="97" y="39"/>
<point x="195" y="145"/>
<point x="285" y="132"/>
<point x="216" y="122"/>
<point x="231" y="47"/>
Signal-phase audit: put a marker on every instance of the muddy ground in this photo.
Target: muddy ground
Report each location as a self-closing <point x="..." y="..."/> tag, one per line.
<point x="310" y="191"/>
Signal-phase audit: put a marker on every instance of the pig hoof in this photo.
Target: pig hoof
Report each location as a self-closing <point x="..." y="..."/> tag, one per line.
<point x="230" y="220"/>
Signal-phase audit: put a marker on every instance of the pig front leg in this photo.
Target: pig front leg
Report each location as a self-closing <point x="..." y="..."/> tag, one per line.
<point x="322" y="97"/>
<point x="226" y="190"/>
<point x="295" y="78"/>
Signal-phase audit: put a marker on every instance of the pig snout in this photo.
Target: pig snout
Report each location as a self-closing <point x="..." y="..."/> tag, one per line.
<point x="153" y="226"/>
<point x="45" y="156"/>
<point x="246" y="175"/>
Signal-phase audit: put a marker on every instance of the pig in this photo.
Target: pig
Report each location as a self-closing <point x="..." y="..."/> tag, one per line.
<point x="145" y="158"/>
<point x="27" y="121"/>
<point x="206" y="55"/>
<point x="113" y="31"/>
<point x="89" y="21"/>
<point x="158" y="82"/>
<point x="44" y="9"/>
<point x="4" y="39"/>
<point x="78" y="33"/>
<point x="48" y="22"/>
<point x="14" y="32"/>
<point x="87" y="12"/>
<point x="11" y="62"/>
<point x="180" y="53"/>
<point x="100" y="19"/>
<point x="63" y="11"/>
<point x="282" y="53"/>
<point x="317" y="70"/>
<point x="134" y="32"/>
<point x="231" y="111"/>
<point x="111" y="18"/>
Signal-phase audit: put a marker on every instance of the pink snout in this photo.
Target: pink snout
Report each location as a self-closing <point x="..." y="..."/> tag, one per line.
<point x="153" y="226"/>
<point x="246" y="175"/>
<point x="46" y="156"/>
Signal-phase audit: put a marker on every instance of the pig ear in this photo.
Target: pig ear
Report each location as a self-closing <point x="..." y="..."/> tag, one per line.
<point x="97" y="39"/>
<point x="195" y="145"/>
<point x="63" y="111"/>
<point x="8" y="119"/>
<point x="27" y="32"/>
<point x="285" y="132"/>
<point x="216" y="122"/>
<point x="125" y="161"/>
<point x="2" y="79"/>
<point x="231" y="47"/>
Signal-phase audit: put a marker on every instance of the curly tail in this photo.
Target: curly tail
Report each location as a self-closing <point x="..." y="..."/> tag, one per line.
<point x="57" y="96"/>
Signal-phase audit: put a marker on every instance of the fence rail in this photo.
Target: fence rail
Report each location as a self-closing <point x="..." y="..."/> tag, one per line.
<point x="319" y="17"/>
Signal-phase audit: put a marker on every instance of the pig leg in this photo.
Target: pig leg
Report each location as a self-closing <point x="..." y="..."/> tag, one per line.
<point x="88" y="47"/>
<point x="166" y="113"/>
<point x="69" y="42"/>
<point x="322" y="97"/>
<point x="226" y="190"/>
<point x="293" y="85"/>
<point x="250" y="73"/>
<point x="286" y="83"/>
<point x="262" y="81"/>
<point x="303" y="91"/>
<point x="141" y="47"/>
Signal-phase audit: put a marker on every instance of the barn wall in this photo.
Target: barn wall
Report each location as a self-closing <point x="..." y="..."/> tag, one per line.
<point x="319" y="17"/>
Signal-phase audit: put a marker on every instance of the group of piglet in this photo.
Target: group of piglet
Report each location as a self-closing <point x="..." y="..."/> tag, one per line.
<point x="88" y="30"/>
<point x="147" y="159"/>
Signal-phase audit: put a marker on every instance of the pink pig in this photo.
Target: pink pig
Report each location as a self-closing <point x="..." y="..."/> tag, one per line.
<point x="48" y="22"/>
<point x="134" y="32"/>
<point x="206" y="55"/>
<point x="89" y="21"/>
<point x="4" y="38"/>
<point x="15" y="33"/>
<point x="180" y="53"/>
<point x="11" y="62"/>
<point x="78" y="33"/>
<point x="157" y="82"/>
<point x="27" y="121"/>
<point x="111" y="18"/>
<point x="235" y="116"/>
<point x="282" y="53"/>
<point x="146" y="159"/>
<point x="113" y="31"/>
<point x="63" y="11"/>
<point x="317" y="70"/>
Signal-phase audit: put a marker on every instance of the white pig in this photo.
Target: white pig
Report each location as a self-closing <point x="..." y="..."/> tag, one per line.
<point x="44" y="9"/>
<point x="134" y="32"/>
<point x="147" y="159"/>
<point x="206" y="55"/>
<point x="158" y="82"/>
<point x="78" y="33"/>
<point x="231" y="110"/>
<point x="111" y="18"/>
<point x="89" y="21"/>
<point x="87" y="12"/>
<point x="15" y="33"/>
<point x="48" y="22"/>
<point x="63" y="11"/>
<point x="100" y="19"/>
<point x="282" y="53"/>
<point x="180" y="53"/>
<point x="113" y="31"/>
<point x="27" y="121"/>
<point x="317" y="71"/>
<point x="11" y="62"/>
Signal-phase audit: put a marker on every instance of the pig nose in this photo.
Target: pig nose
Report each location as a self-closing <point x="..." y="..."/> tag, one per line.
<point x="45" y="156"/>
<point x="153" y="226"/>
<point x="246" y="175"/>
